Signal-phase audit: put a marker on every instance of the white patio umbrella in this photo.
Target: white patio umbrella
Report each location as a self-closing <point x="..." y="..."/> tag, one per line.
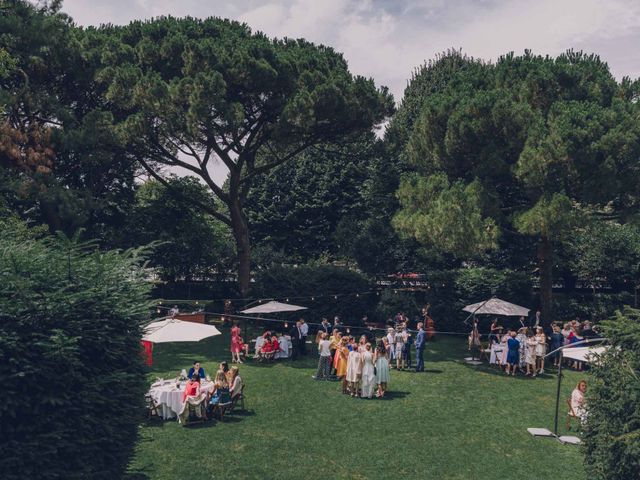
<point x="173" y="330"/>
<point x="273" y="307"/>
<point x="495" y="306"/>
<point x="584" y="354"/>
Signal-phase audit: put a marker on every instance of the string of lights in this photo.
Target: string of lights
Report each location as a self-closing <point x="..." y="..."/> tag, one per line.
<point x="288" y="298"/>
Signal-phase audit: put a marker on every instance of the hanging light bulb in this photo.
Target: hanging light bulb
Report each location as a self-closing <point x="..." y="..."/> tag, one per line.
<point x="335" y="296"/>
<point x="313" y="298"/>
<point x="160" y="302"/>
<point x="357" y="294"/>
<point x="158" y="311"/>
<point x="286" y="325"/>
<point x="348" y="330"/>
<point x="287" y="299"/>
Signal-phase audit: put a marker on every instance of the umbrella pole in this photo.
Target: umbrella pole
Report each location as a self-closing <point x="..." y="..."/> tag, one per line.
<point x="555" y="420"/>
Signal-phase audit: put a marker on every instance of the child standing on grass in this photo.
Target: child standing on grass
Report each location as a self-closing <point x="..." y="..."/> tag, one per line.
<point x="381" y="363"/>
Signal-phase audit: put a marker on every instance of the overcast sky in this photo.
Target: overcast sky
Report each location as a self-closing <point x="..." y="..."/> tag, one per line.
<point x="387" y="39"/>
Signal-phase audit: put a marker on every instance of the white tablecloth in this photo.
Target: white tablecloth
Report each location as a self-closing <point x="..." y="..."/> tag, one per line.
<point x="496" y="353"/>
<point x="169" y="398"/>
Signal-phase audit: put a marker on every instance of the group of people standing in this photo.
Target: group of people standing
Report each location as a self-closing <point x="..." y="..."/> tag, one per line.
<point x="361" y="367"/>
<point x="526" y="348"/>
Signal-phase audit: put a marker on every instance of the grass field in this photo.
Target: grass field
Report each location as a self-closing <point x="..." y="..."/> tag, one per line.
<point x="452" y="422"/>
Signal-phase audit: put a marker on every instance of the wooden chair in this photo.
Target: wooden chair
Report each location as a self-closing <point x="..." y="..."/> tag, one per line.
<point x="152" y="406"/>
<point x="570" y="414"/>
<point x="238" y="398"/>
<point x="221" y="408"/>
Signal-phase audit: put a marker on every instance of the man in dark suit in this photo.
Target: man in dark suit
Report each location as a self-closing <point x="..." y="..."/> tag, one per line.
<point x="296" y="339"/>
<point x="420" y="344"/>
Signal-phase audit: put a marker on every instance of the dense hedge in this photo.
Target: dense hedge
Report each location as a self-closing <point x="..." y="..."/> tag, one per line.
<point x="324" y="281"/>
<point x="71" y="372"/>
<point x="612" y="432"/>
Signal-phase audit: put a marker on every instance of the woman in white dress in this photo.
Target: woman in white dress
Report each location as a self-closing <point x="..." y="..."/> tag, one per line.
<point x="399" y="346"/>
<point x="532" y="343"/>
<point x="368" y="372"/>
<point x="541" y="349"/>
<point x="354" y="371"/>
<point x="382" y="370"/>
<point x="391" y="340"/>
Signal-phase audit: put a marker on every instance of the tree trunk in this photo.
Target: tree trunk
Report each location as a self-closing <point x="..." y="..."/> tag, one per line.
<point x="545" y="267"/>
<point x="240" y="229"/>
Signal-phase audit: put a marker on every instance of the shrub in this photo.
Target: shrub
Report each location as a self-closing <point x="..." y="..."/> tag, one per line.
<point x="71" y="369"/>
<point x="612" y="431"/>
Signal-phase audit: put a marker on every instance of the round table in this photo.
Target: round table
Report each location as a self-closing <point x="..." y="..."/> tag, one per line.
<point x="169" y="398"/>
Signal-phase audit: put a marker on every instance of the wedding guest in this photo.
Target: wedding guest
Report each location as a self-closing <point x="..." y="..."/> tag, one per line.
<point x="420" y="344"/>
<point x="236" y="383"/>
<point x="382" y="371"/>
<point x="494" y="330"/>
<point x="354" y="371"/>
<point x="192" y="388"/>
<point x="296" y="339"/>
<point x="578" y="405"/>
<point x="196" y="369"/>
<point x="275" y="344"/>
<point x="557" y="340"/>
<point x="541" y="349"/>
<point x="324" y="362"/>
<point x="235" y="330"/>
<point x="513" y="354"/>
<point x="335" y="343"/>
<point x="237" y="346"/>
<point x="368" y="372"/>
<point x="566" y="329"/>
<point x="304" y="330"/>
<point x="326" y="326"/>
<point x="398" y="341"/>
<point x="532" y="343"/>
<point x="387" y="346"/>
<point x="340" y="363"/>
<point x="522" y="338"/>
<point x="391" y="340"/>
<point x="220" y="392"/>
<point x="337" y="325"/>
<point x="362" y="343"/>
<point x="406" y="349"/>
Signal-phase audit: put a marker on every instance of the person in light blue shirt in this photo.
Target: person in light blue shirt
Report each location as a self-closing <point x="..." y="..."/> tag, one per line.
<point x="196" y="369"/>
<point x="420" y="344"/>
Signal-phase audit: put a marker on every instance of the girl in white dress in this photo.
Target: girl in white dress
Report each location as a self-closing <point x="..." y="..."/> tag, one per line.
<point x="354" y="371"/>
<point x="368" y="372"/>
<point x="382" y="370"/>
<point x="541" y="349"/>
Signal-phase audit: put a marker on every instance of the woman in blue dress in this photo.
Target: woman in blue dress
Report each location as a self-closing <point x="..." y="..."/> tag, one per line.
<point x="557" y="340"/>
<point x="513" y="355"/>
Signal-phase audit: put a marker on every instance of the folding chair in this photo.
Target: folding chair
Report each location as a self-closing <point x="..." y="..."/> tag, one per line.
<point x="152" y="406"/>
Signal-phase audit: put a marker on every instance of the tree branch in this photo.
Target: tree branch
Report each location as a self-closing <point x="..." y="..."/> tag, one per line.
<point x="204" y="207"/>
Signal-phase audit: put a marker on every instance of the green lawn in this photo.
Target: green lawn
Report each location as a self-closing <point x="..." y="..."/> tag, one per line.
<point x="452" y="422"/>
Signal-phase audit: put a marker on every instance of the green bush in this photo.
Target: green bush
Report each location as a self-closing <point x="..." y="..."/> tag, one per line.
<point x="321" y="282"/>
<point x="612" y="431"/>
<point x="70" y="361"/>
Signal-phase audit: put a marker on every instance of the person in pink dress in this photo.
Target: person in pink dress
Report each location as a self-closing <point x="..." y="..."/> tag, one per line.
<point x="236" y="344"/>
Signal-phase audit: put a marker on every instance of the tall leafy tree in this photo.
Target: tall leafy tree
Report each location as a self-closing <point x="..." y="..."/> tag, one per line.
<point x="55" y="134"/>
<point x="188" y="93"/>
<point x="544" y="141"/>
<point x="166" y="218"/>
<point x="297" y="207"/>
